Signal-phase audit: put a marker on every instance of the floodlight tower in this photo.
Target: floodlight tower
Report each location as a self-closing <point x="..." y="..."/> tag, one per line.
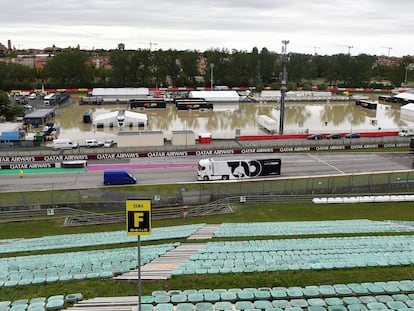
<point x="283" y="87"/>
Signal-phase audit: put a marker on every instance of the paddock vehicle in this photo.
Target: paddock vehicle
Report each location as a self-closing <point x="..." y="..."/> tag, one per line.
<point x="212" y="169"/>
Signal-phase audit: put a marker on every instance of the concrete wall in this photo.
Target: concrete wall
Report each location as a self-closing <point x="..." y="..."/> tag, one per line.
<point x="140" y="139"/>
<point x="183" y="138"/>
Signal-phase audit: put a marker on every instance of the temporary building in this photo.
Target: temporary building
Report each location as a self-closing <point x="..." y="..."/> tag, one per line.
<point x="405" y="97"/>
<point x="216" y="96"/>
<point x="120" y="118"/>
<point x="120" y="94"/>
<point x="267" y="123"/>
<point x="407" y="112"/>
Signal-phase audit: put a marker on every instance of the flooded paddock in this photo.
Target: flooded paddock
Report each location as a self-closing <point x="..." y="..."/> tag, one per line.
<point x="227" y="119"/>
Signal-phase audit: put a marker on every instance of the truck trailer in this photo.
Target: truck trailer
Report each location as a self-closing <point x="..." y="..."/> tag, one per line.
<point x="406" y="131"/>
<point x="212" y="169"/>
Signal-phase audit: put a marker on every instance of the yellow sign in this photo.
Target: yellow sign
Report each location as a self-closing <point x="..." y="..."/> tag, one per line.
<point x="138" y="216"/>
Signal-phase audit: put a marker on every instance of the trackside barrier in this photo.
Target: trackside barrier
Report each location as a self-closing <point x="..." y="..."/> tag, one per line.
<point x="365" y="199"/>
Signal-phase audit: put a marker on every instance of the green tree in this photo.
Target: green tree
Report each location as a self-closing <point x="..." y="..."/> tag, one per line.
<point x="69" y="69"/>
<point x="8" y="111"/>
<point x="14" y="76"/>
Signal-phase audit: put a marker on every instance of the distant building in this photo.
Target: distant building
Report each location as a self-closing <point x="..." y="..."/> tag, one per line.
<point x="388" y="61"/>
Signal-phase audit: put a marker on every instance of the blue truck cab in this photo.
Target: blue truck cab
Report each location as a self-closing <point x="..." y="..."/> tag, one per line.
<point x="118" y="177"/>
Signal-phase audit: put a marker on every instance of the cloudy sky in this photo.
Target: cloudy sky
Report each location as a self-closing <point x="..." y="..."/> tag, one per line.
<point x="375" y="27"/>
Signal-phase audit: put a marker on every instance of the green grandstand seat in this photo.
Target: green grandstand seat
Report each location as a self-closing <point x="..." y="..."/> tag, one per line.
<point x="146" y="307"/>
<point x="351" y="300"/>
<point x="222" y="305"/>
<point x="342" y="290"/>
<point x="195" y="298"/>
<point x="384" y="298"/>
<point x="243" y="305"/>
<point x="245" y="295"/>
<point x="22" y="307"/>
<point x="311" y="292"/>
<point x="298" y="302"/>
<point x="162" y="299"/>
<point x="316" y="302"/>
<point x="35" y="308"/>
<point x="367" y="299"/>
<point x="212" y="297"/>
<point x="37" y="299"/>
<point x="5" y="303"/>
<point x="262" y="295"/>
<point x="396" y="305"/>
<point x="147" y="299"/>
<point x="262" y="304"/>
<point x="337" y="308"/>
<point x="4" y="308"/>
<point x="402" y="297"/>
<point x="278" y="293"/>
<point x="281" y="303"/>
<point x="20" y="302"/>
<point x="55" y="304"/>
<point x="179" y="298"/>
<point x="376" y="306"/>
<point x="228" y="296"/>
<point x="38" y="304"/>
<point x="274" y="309"/>
<point x="357" y="307"/>
<point x="327" y="291"/>
<point x="185" y="306"/>
<point x="316" y="308"/>
<point x="294" y="309"/>
<point x="164" y="307"/>
<point x="204" y="306"/>
<point x="334" y="301"/>
<point x="295" y="292"/>
<point x="72" y="298"/>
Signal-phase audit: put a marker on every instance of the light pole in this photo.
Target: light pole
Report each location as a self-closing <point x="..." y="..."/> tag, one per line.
<point x="283" y="87"/>
<point x="211" y="76"/>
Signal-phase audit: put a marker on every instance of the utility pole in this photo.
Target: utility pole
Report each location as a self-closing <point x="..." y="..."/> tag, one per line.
<point x="349" y="49"/>
<point x="150" y="44"/>
<point x="315" y="48"/>
<point x="283" y="86"/>
<point x="388" y="48"/>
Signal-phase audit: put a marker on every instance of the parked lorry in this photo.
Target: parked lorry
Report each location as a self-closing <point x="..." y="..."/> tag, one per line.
<point x="212" y="169"/>
<point x="64" y="143"/>
<point x="118" y="177"/>
<point x="406" y="131"/>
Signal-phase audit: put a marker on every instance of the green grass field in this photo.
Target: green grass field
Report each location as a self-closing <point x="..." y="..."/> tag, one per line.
<point x="244" y="213"/>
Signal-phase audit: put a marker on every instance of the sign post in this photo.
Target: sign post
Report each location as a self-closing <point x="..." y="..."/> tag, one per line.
<point x="138" y="222"/>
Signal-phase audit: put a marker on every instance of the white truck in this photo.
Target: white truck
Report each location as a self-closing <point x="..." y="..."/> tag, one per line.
<point x="406" y="131"/>
<point x="64" y="143"/>
<point x="212" y="169"/>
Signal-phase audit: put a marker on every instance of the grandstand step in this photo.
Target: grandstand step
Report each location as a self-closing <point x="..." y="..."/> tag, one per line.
<point x="205" y="232"/>
<point x="162" y="267"/>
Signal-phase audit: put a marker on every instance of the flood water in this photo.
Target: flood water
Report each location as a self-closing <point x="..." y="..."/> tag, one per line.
<point x="222" y="122"/>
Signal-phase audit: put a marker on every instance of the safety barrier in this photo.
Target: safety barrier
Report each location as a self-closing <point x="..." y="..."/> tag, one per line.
<point x="365" y="199"/>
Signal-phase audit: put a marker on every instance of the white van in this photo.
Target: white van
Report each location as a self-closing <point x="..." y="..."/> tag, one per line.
<point x="59" y="144"/>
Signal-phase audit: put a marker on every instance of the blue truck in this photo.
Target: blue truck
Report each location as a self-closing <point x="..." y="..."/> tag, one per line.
<point x="118" y="177"/>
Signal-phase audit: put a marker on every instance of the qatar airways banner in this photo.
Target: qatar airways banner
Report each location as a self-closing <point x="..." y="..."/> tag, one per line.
<point x="10" y="162"/>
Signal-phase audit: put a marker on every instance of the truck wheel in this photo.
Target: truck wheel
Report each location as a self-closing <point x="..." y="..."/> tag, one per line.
<point x="205" y="178"/>
<point x="225" y="177"/>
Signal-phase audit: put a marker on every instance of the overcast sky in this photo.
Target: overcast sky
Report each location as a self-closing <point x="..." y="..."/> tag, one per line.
<point x="375" y="27"/>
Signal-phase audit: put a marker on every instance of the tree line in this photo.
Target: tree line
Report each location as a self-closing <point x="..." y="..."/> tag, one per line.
<point x="146" y="68"/>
